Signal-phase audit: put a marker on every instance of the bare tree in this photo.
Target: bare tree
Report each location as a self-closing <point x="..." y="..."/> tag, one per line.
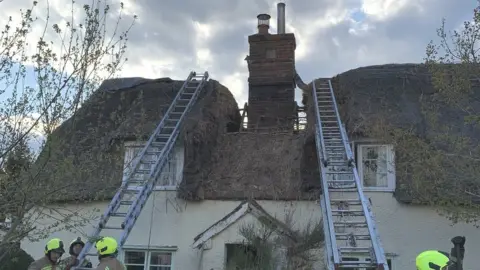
<point x="44" y="78"/>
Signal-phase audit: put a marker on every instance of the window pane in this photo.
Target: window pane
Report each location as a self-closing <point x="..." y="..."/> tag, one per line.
<point x="160" y="268"/>
<point x="135" y="267"/>
<point x="375" y="169"/>
<point x="135" y="257"/>
<point x="161" y="258"/>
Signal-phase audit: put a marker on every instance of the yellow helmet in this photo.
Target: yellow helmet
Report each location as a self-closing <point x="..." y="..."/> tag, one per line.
<point x="106" y="246"/>
<point x="430" y="259"/>
<point x="55" y="245"/>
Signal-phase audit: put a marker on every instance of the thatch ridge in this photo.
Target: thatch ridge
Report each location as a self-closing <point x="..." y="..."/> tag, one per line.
<point x="84" y="156"/>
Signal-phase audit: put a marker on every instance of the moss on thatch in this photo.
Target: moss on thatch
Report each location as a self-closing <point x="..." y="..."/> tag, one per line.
<point x="436" y="149"/>
<point x="83" y="159"/>
<point x="276" y="166"/>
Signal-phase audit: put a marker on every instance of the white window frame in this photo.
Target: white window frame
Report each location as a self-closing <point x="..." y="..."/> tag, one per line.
<point x="391" y="177"/>
<point x="178" y="154"/>
<point x="149" y="251"/>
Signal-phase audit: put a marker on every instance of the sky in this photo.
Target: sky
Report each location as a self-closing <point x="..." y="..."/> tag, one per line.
<point x="171" y="38"/>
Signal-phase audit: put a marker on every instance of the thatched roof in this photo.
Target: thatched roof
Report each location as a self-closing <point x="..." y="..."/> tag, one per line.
<point x="84" y="156"/>
<point x="398" y="104"/>
<point x="386" y="102"/>
<point x="258" y="166"/>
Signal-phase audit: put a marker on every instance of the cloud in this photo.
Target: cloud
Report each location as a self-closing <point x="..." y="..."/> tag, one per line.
<point x="172" y="38"/>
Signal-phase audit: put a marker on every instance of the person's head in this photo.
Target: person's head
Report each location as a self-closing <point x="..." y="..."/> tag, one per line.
<point x="432" y="259"/>
<point x="76" y="246"/>
<point x="106" y="247"/>
<point x="54" y="249"/>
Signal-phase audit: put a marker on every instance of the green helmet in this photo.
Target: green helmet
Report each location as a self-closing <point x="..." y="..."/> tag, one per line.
<point x="432" y="259"/>
<point x="55" y="245"/>
<point x="106" y="246"/>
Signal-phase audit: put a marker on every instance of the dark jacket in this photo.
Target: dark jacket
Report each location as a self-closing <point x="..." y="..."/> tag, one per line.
<point x="44" y="264"/>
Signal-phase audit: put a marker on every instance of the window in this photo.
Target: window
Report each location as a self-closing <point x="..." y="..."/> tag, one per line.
<point x="271" y="53"/>
<point x="352" y="259"/>
<point x="171" y="174"/>
<point x="148" y="260"/>
<point x="240" y="256"/>
<point x="376" y="167"/>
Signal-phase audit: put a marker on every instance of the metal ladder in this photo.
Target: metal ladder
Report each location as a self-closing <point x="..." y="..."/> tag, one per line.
<point x="349" y="226"/>
<point x="136" y="188"/>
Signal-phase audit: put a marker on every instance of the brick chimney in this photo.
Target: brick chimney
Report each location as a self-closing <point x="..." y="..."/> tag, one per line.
<point x="271" y="65"/>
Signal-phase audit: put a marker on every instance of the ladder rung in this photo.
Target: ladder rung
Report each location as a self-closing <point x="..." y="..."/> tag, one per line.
<point x="353" y="212"/>
<point x="126" y="202"/>
<point x="358" y="265"/>
<point x="340" y="181"/>
<point x="347" y="201"/>
<point x="342" y="189"/>
<point x="147" y="162"/>
<point x="346" y="236"/>
<point x="348" y="249"/>
<point x="111" y="228"/>
<point x="118" y="214"/>
<point x="158" y="144"/>
<point x="350" y="223"/>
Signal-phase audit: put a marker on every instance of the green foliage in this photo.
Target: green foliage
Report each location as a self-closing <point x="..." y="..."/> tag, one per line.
<point x="70" y="58"/>
<point x="454" y="66"/>
<point x="272" y="246"/>
<point x="441" y="167"/>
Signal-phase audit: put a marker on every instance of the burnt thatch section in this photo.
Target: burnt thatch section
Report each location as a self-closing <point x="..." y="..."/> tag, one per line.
<point x="83" y="159"/>
<point x="275" y="166"/>
<point x="435" y="146"/>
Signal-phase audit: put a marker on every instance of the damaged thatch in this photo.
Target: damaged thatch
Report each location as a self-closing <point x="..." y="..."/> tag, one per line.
<point x="83" y="159"/>
<point x="276" y="166"/>
<point x="434" y="145"/>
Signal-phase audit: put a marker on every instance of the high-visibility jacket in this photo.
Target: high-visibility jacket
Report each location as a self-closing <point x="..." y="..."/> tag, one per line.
<point x="432" y="260"/>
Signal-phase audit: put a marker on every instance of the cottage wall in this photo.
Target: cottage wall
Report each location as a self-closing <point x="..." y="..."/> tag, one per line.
<point x="171" y="224"/>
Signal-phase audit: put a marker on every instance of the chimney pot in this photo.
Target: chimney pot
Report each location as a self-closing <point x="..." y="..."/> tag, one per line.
<point x="263" y="23"/>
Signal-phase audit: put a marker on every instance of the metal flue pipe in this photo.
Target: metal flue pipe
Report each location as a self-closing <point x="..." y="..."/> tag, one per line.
<point x="281" y="18"/>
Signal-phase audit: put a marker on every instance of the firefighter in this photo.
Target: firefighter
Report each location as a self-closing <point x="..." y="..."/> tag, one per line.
<point x="432" y="259"/>
<point x="53" y="252"/>
<point x="441" y="260"/>
<point x="75" y="248"/>
<point x="107" y="249"/>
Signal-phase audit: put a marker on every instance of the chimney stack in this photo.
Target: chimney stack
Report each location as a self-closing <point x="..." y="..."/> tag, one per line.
<point x="281" y="18"/>
<point x="263" y="24"/>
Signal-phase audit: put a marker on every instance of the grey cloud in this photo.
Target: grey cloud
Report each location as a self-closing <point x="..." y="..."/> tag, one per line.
<point x="401" y="38"/>
<point x="166" y="29"/>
